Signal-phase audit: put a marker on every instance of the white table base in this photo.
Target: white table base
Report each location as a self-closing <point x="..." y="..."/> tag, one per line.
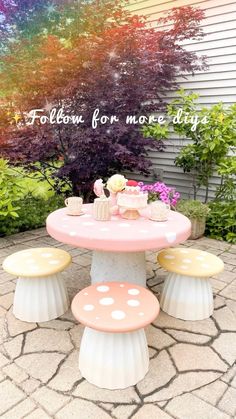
<point x="119" y="267"/>
<point x="40" y="299"/>
<point x="113" y="360"/>
<point x="187" y="297"/>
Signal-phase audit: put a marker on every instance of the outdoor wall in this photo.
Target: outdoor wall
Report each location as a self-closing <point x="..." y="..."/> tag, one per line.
<point x="217" y="83"/>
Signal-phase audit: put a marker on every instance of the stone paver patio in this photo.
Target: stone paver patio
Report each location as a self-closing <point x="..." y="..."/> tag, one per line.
<point x="192" y="372"/>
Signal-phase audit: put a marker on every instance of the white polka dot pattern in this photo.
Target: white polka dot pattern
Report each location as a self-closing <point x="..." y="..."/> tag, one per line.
<point x="187" y="261"/>
<point x="191" y="262"/>
<point x="108" y="301"/>
<point x="103" y="288"/>
<point x="132" y="236"/>
<point x="118" y="314"/>
<point x="133" y="303"/>
<point x="133" y="291"/>
<point x="120" y="308"/>
<point x="199" y="257"/>
<point x="205" y="265"/>
<point x="37" y="262"/>
<point x="170" y="237"/>
<point x="89" y="307"/>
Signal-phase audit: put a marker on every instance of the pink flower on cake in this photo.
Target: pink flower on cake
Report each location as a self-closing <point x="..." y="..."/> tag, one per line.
<point x="98" y="187"/>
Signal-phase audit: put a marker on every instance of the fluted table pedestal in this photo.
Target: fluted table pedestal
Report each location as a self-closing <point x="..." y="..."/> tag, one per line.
<point x="119" y="266"/>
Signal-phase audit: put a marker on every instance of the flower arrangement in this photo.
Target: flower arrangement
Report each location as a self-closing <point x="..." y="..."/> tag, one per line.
<point x="115" y="184"/>
<point x="160" y="191"/>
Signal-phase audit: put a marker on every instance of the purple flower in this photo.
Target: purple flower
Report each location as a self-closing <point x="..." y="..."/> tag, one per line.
<point x="159" y="190"/>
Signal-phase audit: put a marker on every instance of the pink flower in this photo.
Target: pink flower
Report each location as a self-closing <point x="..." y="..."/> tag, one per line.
<point x="98" y="187"/>
<point x="174" y="202"/>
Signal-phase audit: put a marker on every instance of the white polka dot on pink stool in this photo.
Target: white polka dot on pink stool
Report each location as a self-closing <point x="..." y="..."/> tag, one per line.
<point x="115" y="307"/>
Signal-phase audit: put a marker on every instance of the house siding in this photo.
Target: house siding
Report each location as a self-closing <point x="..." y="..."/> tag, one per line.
<point x="216" y="84"/>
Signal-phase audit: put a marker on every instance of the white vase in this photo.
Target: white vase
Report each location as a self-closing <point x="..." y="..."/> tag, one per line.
<point x="101" y="209"/>
<point x="113" y="360"/>
<point x="187" y="297"/>
<point x="40" y="299"/>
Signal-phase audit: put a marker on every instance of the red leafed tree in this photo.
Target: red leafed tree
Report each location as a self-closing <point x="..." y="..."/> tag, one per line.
<point x="79" y="57"/>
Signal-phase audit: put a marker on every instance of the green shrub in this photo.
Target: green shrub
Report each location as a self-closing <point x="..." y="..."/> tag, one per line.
<point x="10" y="191"/>
<point x="221" y="221"/>
<point x="31" y="214"/>
<point x="193" y="209"/>
<point x="227" y="170"/>
<point x="26" y="199"/>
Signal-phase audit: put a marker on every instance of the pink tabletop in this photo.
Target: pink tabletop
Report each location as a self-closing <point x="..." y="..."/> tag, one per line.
<point x="118" y="234"/>
<point x="115" y="307"/>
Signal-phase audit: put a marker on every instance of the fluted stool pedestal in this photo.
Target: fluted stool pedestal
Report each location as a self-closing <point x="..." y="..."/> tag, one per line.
<point x="186" y="297"/>
<point x="119" y="361"/>
<point x="113" y="350"/>
<point x="40" y="299"/>
<point x="40" y="293"/>
<point x="187" y="292"/>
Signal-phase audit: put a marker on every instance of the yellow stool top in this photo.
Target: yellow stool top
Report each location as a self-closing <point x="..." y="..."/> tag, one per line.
<point x="192" y="262"/>
<point x="37" y="262"/>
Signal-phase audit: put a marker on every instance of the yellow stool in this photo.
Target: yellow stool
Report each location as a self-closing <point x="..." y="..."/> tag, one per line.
<point x="40" y="293"/>
<point x="187" y="292"/>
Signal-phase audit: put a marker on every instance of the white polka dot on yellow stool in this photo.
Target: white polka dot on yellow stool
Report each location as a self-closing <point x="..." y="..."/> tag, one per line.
<point x="37" y="262"/>
<point x="191" y="262"/>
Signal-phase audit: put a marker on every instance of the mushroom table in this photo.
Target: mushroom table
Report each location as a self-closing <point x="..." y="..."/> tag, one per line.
<point x="118" y="245"/>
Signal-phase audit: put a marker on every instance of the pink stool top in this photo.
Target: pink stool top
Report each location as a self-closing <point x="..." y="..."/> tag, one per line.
<point x="115" y="307"/>
<point x="117" y="234"/>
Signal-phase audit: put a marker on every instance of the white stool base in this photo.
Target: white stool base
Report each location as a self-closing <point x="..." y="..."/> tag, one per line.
<point x="187" y="297"/>
<point x="113" y="360"/>
<point x="119" y="267"/>
<point x="40" y="299"/>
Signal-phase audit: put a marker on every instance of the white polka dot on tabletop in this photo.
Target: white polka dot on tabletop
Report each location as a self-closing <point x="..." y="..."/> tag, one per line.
<point x="117" y="234"/>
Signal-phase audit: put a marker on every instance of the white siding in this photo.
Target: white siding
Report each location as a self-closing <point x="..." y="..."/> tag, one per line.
<point x="217" y="83"/>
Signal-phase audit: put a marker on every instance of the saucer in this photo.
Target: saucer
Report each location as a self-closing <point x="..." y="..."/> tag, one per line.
<point x="68" y="212"/>
<point x="160" y="220"/>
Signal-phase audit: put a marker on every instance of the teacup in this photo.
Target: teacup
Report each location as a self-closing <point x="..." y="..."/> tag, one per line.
<point x="74" y="205"/>
<point x="159" y="211"/>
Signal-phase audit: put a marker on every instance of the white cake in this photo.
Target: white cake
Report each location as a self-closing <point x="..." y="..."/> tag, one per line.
<point x="132" y="199"/>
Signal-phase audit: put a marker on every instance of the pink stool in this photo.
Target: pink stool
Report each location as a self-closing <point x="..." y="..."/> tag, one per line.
<point x="113" y="351"/>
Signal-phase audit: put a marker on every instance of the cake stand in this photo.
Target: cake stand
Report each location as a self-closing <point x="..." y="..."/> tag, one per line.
<point x="130" y="212"/>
